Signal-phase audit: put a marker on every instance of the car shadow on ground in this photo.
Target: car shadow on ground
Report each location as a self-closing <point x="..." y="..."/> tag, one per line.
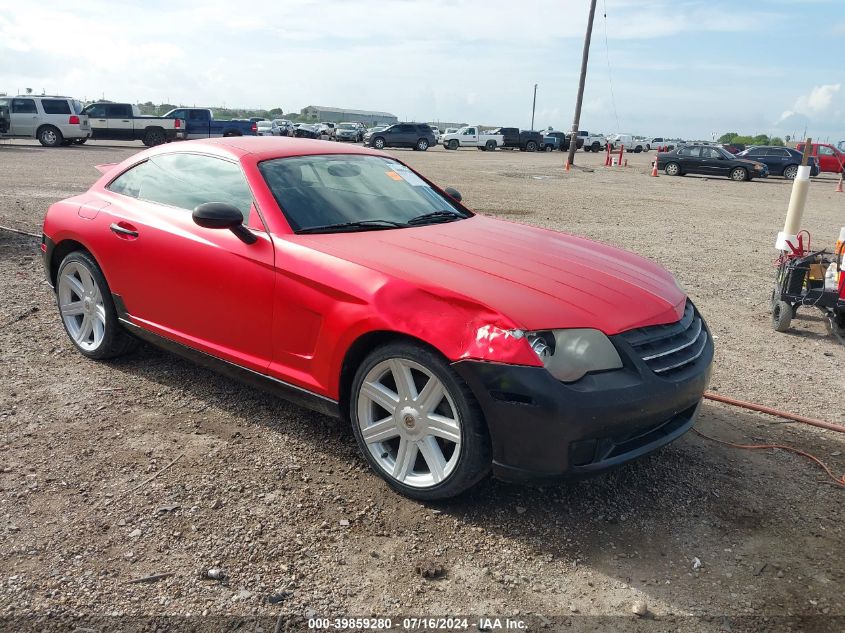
<point x="638" y="525"/>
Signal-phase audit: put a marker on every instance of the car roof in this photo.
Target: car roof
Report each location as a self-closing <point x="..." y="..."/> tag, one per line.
<point x="262" y="147"/>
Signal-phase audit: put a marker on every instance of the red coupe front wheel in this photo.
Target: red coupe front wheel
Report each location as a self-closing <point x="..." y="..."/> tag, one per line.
<point x="418" y="424"/>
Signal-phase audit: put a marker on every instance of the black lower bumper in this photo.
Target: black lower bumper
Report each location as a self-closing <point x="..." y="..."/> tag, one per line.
<point x="543" y="428"/>
<point x="47" y="248"/>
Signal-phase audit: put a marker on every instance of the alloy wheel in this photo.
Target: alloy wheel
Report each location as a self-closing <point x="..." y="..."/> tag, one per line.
<point x="790" y="172"/>
<point x="672" y="169"/>
<point x="409" y="423"/>
<point x="81" y="306"/>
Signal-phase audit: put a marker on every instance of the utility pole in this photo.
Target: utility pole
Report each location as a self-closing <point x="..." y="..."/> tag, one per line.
<point x="533" y="107"/>
<point x="573" y="138"/>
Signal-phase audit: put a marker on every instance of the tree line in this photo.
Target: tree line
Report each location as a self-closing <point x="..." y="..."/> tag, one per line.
<point x="733" y="138"/>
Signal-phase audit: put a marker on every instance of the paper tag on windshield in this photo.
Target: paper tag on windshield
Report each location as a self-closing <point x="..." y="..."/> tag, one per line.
<point x="410" y="177"/>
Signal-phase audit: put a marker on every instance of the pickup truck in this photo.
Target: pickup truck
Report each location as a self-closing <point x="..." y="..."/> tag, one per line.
<point x="830" y="159"/>
<point x="520" y="139"/>
<point x="200" y="123"/>
<point x="591" y="142"/>
<point x="124" y="122"/>
<point x="470" y="136"/>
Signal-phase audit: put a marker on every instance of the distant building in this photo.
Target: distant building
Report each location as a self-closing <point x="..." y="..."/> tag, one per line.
<point x="336" y="115"/>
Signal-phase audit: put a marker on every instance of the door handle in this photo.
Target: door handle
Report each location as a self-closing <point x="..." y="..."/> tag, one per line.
<point x="122" y="230"/>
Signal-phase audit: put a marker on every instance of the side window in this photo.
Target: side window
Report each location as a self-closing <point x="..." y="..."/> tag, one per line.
<point x="177" y="114"/>
<point x="197" y="115"/>
<point x="129" y="182"/>
<point x="469" y="131"/>
<point x="24" y="106"/>
<point x="96" y="111"/>
<point x="55" y="106"/>
<point x="186" y="181"/>
<point x="118" y="111"/>
<point x="825" y="151"/>
<point x="776" y="151"/>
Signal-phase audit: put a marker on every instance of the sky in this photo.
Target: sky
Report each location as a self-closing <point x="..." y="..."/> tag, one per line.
<point x="673" y="68"/>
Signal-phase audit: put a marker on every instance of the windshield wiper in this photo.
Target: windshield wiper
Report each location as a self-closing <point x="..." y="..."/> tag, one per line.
<point x="351" y="226"/>
<point x="435" y="217"/>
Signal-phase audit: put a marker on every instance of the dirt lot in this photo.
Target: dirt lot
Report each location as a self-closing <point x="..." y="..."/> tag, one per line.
<point x="278" y="498"/>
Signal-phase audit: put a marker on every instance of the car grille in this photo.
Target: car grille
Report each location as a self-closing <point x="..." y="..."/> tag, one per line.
<point x="669" y="349"/>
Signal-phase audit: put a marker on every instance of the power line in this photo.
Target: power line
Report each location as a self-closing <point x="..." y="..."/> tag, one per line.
<point x="609" y="73"/>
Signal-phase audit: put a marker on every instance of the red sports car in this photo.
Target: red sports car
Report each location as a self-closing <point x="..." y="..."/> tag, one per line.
<point x="454" y="343"/>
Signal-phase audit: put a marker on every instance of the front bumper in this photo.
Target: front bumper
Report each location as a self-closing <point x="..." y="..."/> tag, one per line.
<point x="543" y="428"/>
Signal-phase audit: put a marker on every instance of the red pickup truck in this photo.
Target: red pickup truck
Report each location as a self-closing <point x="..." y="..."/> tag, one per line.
<point x="830" y="159"/>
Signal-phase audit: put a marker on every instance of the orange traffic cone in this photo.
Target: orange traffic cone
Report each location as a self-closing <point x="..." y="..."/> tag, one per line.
<point x="654" y="167"/>
<point x="839" y="185"/>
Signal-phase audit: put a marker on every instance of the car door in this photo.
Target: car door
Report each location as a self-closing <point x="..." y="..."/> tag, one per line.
<point x="204" y="288"/>
<point x="469" y="137"/>
<point x="97" y="118"/>
<point x="776" y="159"/>
<point x="23" y="117"/>
<point x="828" y="160"/>
<point x="690" y="159"/>
<point x="119" y="119"/>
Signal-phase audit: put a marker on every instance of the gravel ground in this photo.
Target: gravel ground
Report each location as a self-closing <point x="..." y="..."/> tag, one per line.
<point x="703" y="536"/>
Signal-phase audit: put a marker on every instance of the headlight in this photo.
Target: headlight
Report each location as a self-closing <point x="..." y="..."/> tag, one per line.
<point x="570" y="354"/>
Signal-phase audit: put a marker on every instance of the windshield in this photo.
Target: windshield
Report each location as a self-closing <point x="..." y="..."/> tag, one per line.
<point x="264" y="124"/>
<point x="346" y="126"/>
<point x="318" y="191"/>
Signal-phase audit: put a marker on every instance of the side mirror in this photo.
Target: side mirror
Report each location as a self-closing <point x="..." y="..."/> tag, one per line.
<point x="453" y="193"/>
<point x="219" y="215"/>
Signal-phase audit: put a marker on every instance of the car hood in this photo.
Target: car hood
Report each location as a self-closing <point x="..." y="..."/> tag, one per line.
<point x="537" y="278"/>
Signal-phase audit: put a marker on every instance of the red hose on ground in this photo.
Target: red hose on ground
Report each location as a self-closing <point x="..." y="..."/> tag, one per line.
<point x="839" y="481"/>
<point x="780" y="414"/>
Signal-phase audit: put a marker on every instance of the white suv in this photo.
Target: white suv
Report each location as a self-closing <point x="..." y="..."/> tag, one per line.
<point x="52" y="120"/>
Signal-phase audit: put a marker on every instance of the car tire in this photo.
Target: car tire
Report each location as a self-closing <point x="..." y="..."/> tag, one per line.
<point x="531" y="146"/>
<point x="154" y="137"/>
<point x="87" y="310"/>
<point x="739" y="174"/>
<point x="638" y="149"/>
<point x="378" y="142"/>
<point x="453" y="144"/>
<point x="782" y="314"/>
<point x="79" y="141"/>
<point x="50" y="136"/>
<point x="595" y="147"/>
<point x="587" y="148"/>
<point x="443" y="464"/>
<point x="790" y="171"/>
<point x="672" y="169"/>
<point x="490" y="146"/>
<point x="422" y="145"/>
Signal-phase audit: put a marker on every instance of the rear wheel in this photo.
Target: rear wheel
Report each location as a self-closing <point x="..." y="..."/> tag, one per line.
<point x="790" y="172"/>
<point x="154" y="137"/>
<point x="672" y="169"/>
<point x="490" y="146"/>
<point x="49" y="136"/>
<point x="531" y="146"/>
<point x="739" y="174"/>
<point x="417" y="423"/>
<point x="595" y="147"/>
<point x="87" y="310"/>
<point x="422" y="145"/>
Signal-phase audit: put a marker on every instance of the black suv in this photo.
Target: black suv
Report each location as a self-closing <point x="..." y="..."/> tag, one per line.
<point x="419" y="136"/>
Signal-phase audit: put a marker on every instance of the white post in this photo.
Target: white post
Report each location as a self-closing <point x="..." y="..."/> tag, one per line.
<point x="797" y="202"/>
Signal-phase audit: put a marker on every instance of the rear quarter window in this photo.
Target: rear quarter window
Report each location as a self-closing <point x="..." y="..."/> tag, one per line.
<point x="55" y="106"/>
